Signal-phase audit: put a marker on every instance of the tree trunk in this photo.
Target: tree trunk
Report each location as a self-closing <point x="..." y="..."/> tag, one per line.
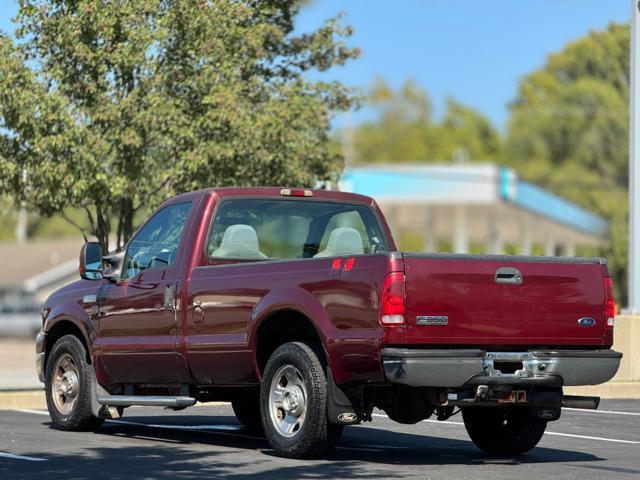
<point x="125" y="222"/>
<point x="102" y="229"/>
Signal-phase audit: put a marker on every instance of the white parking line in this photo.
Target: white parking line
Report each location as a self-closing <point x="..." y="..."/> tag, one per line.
<point x="612" y="412"/>
<point x="36" y="412"/>
<point x="586" y="437"/>
<point x="559" y="434"/>
<point x="224" y="429"/>
<point x="217" y="429"/>
<point x="21" y="457"/>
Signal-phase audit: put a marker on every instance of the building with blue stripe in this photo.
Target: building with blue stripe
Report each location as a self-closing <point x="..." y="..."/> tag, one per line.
<point x="483" y="207"/>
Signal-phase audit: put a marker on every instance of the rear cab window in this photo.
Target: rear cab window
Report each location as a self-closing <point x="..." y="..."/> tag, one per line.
<point x="264" y="229"/>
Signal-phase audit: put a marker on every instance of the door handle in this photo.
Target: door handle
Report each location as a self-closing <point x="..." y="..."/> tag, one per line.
<point x="508" y="276"/>
<point x="197" y="315"/>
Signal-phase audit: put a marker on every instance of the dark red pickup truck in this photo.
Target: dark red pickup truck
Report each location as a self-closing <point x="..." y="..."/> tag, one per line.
<point x="295" y="306"/>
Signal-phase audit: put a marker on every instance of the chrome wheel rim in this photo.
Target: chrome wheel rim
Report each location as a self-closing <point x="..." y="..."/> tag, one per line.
<point x="288" y="401"/>
<point x="65" y="385"/>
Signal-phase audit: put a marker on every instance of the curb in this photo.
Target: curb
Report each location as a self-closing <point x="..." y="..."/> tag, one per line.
<point x="609" y="390"/>
<point x="13" y="399"/>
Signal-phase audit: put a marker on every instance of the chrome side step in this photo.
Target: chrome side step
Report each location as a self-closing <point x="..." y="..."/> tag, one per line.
<point x="146" y="401"/>
<point x="103" y="405"/>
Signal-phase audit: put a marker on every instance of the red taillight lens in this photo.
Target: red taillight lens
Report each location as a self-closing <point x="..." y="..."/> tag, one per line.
<point x="392" y="299"/>
<point x="609" y="302"/>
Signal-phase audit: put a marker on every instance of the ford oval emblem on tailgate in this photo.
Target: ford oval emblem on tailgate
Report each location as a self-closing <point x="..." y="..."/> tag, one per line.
<point x="586" y="322"/>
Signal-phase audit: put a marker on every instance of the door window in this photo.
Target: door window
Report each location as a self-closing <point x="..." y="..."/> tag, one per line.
<point x="156" y="244"/>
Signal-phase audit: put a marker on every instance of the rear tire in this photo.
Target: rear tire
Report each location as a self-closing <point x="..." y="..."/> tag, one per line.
<point x="68" y="386"/>
<point x="247" y="410"/>
<point x="497" y="430"/>
<point x="293" y="404"/>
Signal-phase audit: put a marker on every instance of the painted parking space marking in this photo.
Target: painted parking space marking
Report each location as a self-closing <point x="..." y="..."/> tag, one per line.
<point x="588" y="437"/>
<point x="35" y="412"/>
<point x="215" y="429"/>
<point x="228" y="429"/>
<point x="609" y="412"/>
<point x="13" y="456"/>
<point x="559" y="434"/>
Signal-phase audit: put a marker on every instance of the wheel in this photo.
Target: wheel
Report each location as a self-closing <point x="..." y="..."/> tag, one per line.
<point x="68" y="386"/>
<point x="293" y="404"/>
<point x="510" y="430"/>
<point x="247" y="410"/>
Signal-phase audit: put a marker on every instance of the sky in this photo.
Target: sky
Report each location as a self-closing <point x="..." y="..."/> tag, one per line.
<point x="475" y="51"/>
<point x="472" y="50"/>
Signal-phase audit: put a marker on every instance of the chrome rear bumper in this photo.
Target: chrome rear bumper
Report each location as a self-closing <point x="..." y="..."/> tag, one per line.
<point x="469" y="367"/>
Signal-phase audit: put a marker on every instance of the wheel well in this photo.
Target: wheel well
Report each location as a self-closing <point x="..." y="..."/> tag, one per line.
<point x="282" y="327"/>
<point x="59" y="330"/>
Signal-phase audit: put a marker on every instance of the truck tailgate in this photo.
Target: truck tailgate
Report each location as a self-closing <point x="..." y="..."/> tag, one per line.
<point x="479" y="300"/>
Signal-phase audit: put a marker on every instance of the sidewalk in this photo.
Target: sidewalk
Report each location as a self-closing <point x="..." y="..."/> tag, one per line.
<point x="17" y="365"/>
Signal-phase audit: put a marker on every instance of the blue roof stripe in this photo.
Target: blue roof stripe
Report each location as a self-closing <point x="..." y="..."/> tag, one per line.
<point x="409" y="184"/>
<point x="439" y="182"/>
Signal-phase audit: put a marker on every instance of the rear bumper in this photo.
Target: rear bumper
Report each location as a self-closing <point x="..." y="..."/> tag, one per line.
<point x="464" y="368"/>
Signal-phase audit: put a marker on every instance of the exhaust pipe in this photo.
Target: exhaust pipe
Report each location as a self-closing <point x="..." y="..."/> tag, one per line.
<point x="579" y="401"/>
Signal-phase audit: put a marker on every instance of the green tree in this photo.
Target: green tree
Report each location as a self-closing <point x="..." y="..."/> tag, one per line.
<point x="568" y="131"/>
<point x="111" y="106"/>
<point x="405" y="130"/>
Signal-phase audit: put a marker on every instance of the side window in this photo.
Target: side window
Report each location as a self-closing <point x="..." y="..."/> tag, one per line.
<point x="156" y="244"/>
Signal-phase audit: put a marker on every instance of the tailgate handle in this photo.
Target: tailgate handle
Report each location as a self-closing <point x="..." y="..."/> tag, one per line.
<point x="508" y="275"/>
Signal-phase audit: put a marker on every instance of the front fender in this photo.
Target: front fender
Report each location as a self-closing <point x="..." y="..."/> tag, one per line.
<point x="70" y="311"/>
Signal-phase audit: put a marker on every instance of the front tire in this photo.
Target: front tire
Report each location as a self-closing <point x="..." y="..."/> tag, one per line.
<point x="293" y="404"/>
<point x="68" y="386"/>
<point x="497" y="430"/>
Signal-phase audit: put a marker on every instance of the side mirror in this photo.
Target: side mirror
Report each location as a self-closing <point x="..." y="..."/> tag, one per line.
<point x="91" y="261"/>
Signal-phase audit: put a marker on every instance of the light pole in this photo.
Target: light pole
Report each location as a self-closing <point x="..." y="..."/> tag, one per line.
<point x="634" y="163"/>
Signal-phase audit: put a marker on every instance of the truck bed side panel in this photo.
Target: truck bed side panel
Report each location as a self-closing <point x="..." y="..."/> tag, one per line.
<point x="221" y="345"/>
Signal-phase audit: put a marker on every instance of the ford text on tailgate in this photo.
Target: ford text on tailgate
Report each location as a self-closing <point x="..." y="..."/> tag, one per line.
<point x="295" y="306"/>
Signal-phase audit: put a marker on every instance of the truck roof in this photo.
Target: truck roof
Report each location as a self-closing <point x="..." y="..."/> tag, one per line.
<point x="272" y="192"/>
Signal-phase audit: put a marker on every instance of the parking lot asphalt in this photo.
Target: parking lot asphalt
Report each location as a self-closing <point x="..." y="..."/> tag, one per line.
<point x="208" y="442"/>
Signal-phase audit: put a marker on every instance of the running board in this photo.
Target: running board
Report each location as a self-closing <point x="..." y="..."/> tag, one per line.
<point x="145" y="401"/>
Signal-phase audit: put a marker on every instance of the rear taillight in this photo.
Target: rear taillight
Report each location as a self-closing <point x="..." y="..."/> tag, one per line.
<point x="609" y="302"/>
<point x="392" y="300"/>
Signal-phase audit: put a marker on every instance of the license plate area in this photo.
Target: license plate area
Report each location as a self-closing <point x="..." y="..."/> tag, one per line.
<point x="507" y="367"/>
<point x="509" y="364"/>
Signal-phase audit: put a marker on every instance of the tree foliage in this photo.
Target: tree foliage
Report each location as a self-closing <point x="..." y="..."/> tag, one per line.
<point x="114" y="106"/>
<point x="568" y="131"/>
<point x="405" y="129"/>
